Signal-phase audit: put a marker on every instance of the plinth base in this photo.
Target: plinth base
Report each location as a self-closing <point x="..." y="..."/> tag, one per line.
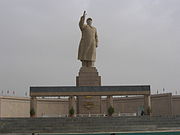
<point x="88" y="76"/>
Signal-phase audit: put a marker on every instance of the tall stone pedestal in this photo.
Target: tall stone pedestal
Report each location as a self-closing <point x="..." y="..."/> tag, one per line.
<point x="88" y="76"/>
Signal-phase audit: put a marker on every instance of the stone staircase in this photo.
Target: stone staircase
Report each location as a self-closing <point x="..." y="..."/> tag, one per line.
<point x="88" y="124"/>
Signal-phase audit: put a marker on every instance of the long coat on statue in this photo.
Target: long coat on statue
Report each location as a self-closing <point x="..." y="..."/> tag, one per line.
<point x="88" y="43"/>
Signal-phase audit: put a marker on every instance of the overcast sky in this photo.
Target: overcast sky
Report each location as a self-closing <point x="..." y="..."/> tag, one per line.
<point x="139" y="43"/>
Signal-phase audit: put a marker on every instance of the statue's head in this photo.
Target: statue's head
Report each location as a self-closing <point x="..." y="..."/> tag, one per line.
<point x="89" y="21"/>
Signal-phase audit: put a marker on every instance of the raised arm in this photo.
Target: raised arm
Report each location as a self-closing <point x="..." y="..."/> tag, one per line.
<point x="82" y="19"/>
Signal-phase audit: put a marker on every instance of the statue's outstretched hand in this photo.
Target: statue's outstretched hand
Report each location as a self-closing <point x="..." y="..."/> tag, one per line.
<point x="84" y="14"/>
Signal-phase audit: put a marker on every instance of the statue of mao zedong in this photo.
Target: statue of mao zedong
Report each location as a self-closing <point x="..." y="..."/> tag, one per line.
<point x="88" y="42"/>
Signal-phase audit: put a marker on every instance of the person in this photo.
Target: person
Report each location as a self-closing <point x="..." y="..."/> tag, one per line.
<point x="142" y="113"/>
<point x="88" y="42"/>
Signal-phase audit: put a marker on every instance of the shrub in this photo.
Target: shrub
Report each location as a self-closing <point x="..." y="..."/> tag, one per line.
<point x="32" y="112"/>
<point x="110" y="111"/>
<point x="71" y="111"/>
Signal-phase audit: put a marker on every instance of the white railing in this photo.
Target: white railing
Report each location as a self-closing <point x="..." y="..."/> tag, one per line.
<point x="127" y="114"/>
<point x="92" y="115"/>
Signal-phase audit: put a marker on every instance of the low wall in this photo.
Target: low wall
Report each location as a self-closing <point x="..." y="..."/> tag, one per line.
<point x="52" y="107"/>
<point x="162" y="104"/>
<point x="176" y="104"/>
<point x="14" y="106"/>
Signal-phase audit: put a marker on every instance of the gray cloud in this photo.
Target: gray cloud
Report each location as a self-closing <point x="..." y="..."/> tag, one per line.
<point x="139" y="42"/>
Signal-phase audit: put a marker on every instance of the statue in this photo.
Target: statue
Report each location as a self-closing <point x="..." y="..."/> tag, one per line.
<point x="88" y="43"/>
